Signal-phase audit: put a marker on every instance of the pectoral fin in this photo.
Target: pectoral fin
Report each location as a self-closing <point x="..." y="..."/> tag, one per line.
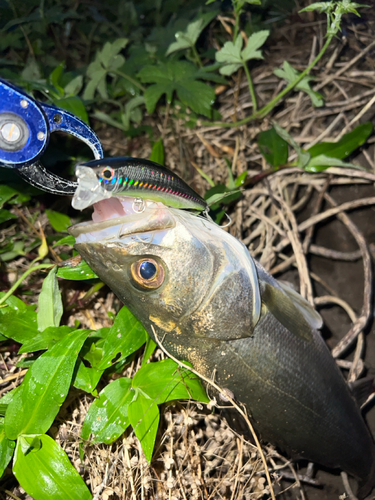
<point x="284" y="309"/>
<point x="312" y="316"/>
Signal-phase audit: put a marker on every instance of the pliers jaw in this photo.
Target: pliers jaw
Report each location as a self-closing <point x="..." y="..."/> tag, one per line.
<point x="25" y="128"/>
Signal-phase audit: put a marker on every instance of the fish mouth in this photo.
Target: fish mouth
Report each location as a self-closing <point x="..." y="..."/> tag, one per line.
<point x="116" y="217"/>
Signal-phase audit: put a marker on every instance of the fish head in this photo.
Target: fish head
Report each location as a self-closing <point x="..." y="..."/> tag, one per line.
<point x="170" y="269"/>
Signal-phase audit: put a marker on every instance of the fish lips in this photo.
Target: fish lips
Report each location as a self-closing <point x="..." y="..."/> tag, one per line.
<point x="117" y="218"/>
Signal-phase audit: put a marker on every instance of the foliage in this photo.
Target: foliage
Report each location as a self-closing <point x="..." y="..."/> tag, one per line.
<point x="80" y="358"/>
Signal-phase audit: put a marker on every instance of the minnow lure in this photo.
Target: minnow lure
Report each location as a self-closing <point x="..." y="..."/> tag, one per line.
<point x="135" y="177"/>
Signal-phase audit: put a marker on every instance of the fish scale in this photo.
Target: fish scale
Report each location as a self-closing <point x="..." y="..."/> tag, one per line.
<point x="272" y="358"/>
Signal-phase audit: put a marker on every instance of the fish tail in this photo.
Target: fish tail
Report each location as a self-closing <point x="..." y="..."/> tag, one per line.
<point x="366" y="485"/>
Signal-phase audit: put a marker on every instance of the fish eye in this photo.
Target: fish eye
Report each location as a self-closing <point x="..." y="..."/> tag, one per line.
<point x="107" y="174"/>
<point x="147" y="273"/>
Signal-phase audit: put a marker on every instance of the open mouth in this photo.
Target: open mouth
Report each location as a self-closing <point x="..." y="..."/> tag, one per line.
<point x="116" y="217"/>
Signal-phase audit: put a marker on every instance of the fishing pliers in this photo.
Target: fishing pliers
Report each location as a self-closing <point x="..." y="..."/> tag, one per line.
<point x="25" y="128"/>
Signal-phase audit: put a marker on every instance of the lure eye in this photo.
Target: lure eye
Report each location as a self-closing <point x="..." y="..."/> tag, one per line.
<point x="107" y="174"/>
<point x="147" y="273"/>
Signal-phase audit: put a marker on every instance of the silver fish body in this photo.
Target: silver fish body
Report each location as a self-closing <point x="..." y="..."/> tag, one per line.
<point x="212" y="305"/>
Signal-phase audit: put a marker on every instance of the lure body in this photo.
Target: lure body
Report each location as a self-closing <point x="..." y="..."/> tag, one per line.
<point x="138" y="178"/>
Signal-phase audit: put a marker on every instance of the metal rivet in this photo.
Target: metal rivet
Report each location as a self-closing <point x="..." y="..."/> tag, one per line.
<point x="41" y="136"/>
<point x="10" y="132"/>
<point x="24" y="103"/>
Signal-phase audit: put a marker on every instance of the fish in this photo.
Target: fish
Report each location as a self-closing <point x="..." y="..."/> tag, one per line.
<point x="135" y="177"/>
<point x="200" y="294"/>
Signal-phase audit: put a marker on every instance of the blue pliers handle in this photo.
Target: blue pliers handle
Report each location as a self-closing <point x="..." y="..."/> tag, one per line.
<point x="25" y="128"/>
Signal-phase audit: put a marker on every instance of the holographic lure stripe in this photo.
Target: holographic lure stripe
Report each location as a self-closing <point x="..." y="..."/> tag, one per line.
<point x="134" y="176"/>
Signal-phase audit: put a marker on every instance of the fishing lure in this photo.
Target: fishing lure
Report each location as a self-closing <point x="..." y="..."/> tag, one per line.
<point x="138" y="178"/>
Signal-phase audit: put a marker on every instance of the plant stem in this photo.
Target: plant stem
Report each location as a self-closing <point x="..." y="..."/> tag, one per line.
<point x="19" y="281"/>
<point x="196" y="56"/>
<point x="236" y="25"/>
<point x="130" y="79"/>
<point x="268" y="107"/>
<point x="251" y="88"/>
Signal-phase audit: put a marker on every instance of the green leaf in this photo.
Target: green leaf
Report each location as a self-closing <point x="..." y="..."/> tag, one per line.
<point x="74" y="86"/>
<point x="166" y="381"/>
<point x="60" y="222"/>
<point x="157" y="153"/>
<point x="48" y="473"/>
<point x="45" y="339"/>
<point x="67" y="240"/>
<point x="303" y="156"/>
<point x="38" y="399"/>
<point x="19" y="325"/>
<point x="87" y="378"/>
<point x="144" y="417"/>
<point x="50" y="306"/>
<point x="253" y="44"/>
<point x="346" y="145"/>
<point x="179" y="77"/>
<point x="241" y="179"/>
<point x="107" y="417"/>
<point x="125" y="336"/>
<point x="188" y="38"/>
<point x="74" y="105"/>
<point x="149" y="349"/>
<point x="6" y="448"/>
<point x="106" y="60"/>
<point x="6" y="215"/>
<point x="273" y="147"/>
<point x="289" y="74"/>
<point x="232" y="55"/>
<point x="322" y="162"/>
<point x="82" y="271"/>
<point x="6" y="193"/>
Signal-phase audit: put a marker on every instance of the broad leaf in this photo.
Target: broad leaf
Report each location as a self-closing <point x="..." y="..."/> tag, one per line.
<point x="6" y="448"/>
<point x="289" y="74"/>
<point x="37" y="400"/>
<point x="125" y="336"/>
<point x="144" y="417"/>
<point x="179" y="77"/>
<point x="166" y="380"/>
<point x="303" y="156"/>
<point x="273" y="147"/>
<point x="107" y="417"/>
<point x="6" y="193"/>
<point x="188" y="38"/>
<point x="232" y="55"/>
<point x="19" y="325"/>
<point x="6" y="215"/>
<point x="346" y="145"/>
<point x="322" y="162"/>
<point x="45" y="339"/>
<point x="87" y="378"/>
<point x="81" y="271"/>
<point x="47" y="472"/>
<point x="157" y="153"/>
<point x="50" y="306"/>
<point x="60" y="222"/>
